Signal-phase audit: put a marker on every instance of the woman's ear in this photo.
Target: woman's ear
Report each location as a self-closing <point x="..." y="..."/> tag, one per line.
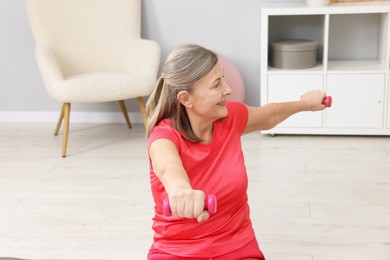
<point x="184" y="98"/>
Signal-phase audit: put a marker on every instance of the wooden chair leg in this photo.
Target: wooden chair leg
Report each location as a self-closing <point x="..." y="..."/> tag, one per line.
<point x="124" y="112"/>
<point x="66" y="128"/>
<point x="59" y="120"/>
<point x="141" y="105"/>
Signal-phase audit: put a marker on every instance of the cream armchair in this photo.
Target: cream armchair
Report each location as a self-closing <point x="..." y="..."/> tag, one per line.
<point x="91" y="51"/>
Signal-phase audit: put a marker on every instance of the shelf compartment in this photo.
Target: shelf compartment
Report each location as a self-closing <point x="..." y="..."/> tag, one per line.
<point x="348" y="48"/>
<point x="309" y="27"/>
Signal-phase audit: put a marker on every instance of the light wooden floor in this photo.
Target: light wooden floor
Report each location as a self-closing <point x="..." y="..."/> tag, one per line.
<point x="312" y="197"/>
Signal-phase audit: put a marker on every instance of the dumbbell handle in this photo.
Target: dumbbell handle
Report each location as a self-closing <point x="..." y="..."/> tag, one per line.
<point x="327" y="101"/>
<point x="210" y="204"/>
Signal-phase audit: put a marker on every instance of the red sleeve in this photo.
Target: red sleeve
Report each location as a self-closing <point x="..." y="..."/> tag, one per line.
<point x="164" y="131"/>
<point x="239" y="115"/>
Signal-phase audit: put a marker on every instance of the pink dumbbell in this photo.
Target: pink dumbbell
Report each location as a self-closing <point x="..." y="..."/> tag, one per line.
<point x="327" y="101"/>
<point x="210" y="204"/>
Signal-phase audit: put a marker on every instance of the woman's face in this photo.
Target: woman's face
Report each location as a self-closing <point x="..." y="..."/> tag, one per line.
<point x="208" y="97"/>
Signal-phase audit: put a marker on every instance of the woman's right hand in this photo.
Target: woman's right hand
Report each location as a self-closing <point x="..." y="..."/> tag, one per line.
<point x="189" y="203"/>
<point x="314" y="100"/>
<point x="184" y="201"/>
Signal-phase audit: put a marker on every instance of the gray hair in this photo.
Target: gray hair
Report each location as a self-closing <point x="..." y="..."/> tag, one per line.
<point x="184" y="66"/>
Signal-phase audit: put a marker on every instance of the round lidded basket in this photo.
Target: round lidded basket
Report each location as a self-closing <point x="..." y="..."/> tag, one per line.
<point x="294" y="54"/>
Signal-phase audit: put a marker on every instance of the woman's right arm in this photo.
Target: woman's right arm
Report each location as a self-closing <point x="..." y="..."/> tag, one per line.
<point x="167" y="165"/>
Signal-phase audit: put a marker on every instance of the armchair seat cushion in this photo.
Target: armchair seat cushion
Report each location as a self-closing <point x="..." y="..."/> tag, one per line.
<point x="102" y="87"/>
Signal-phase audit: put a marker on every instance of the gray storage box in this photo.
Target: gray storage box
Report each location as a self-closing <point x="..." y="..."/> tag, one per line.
<point x="294" y="54"/>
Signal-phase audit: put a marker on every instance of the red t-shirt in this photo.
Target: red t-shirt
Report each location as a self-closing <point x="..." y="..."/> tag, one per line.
<point x="216" y="168"/>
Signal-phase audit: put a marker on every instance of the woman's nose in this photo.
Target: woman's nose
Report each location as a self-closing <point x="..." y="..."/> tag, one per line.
<point x="227" y="90"/>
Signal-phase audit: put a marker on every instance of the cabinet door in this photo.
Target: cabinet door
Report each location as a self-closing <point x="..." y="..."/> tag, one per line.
<point x="290" y="87"/>
<point x="357" y="100"/>
<point x="388" y="104"/>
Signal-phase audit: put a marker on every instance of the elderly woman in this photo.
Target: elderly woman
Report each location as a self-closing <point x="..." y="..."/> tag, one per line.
<point x="194" y="141"/>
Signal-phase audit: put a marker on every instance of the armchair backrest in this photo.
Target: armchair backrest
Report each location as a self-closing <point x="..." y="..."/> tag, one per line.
<point x="86" y="35"/>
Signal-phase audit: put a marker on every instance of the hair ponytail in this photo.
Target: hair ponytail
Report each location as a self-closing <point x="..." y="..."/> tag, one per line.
<point x="157" y="106"/>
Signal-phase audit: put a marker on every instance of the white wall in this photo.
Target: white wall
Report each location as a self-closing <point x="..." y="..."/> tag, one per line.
<point x="20" y="83"/>
<point x="230" y="27"/>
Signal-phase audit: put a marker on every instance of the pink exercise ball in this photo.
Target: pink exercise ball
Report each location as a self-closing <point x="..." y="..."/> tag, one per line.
<point x="233" y="79"/>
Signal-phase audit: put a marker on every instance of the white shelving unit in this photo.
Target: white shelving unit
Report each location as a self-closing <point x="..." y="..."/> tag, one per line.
<point x="353" y="66"/>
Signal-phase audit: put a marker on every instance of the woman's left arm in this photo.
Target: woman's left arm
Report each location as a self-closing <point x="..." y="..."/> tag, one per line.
<point x="269" y="115"/>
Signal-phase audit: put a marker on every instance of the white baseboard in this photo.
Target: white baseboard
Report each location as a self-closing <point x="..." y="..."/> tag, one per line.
<point x="75" y="117"/>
